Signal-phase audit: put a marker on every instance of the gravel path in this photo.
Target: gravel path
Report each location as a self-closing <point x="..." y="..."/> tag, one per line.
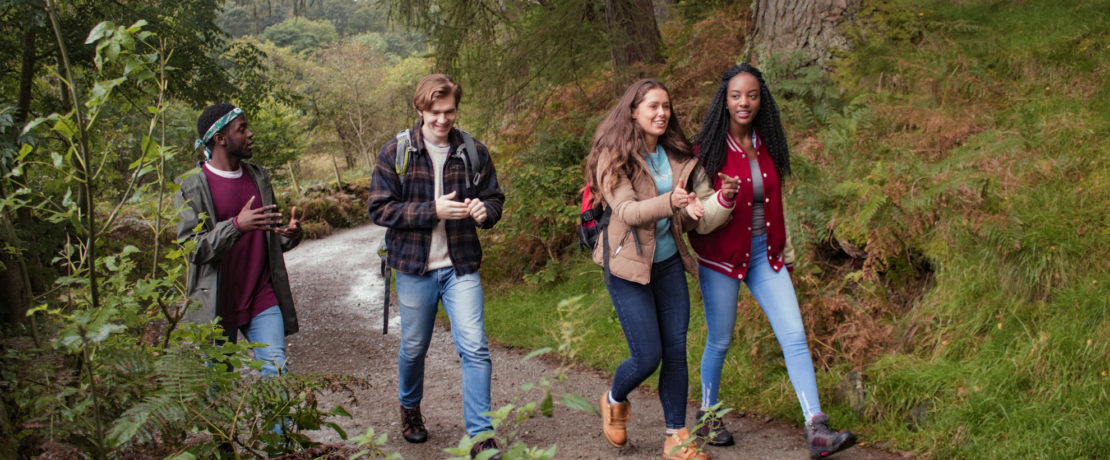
<point x="338" y="291"/>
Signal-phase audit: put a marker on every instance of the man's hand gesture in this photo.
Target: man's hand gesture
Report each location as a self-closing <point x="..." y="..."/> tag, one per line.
<point x="449" y="209"/>
<point x="476" y="209"/>
<point x="293" y="230"/>
<point x="260" y="218"/>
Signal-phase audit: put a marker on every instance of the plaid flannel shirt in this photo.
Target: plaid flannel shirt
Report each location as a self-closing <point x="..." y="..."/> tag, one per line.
<point x="410" y="214"/>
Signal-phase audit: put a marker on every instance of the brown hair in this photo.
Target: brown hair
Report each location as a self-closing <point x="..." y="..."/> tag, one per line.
<point x="433" y="87"/>
<point x="619" y="137"/>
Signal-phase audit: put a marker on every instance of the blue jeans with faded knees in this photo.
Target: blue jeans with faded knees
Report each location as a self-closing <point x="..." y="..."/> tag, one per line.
<point x="462" y="300"/>
<point x="775" y="293"/>
<point x="654" y="318"/>
<point x="267" y="328"/>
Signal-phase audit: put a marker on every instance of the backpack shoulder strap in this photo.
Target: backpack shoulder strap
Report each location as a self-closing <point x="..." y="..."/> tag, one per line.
<point x="471" y="158"/>
<point x="402" y="154"/>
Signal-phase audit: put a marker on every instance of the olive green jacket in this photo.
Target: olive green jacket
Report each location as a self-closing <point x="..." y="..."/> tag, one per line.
<point x="214" y="239"/>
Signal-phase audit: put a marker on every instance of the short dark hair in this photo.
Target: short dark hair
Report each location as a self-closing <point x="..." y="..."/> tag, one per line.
<point x="209" y="116"/>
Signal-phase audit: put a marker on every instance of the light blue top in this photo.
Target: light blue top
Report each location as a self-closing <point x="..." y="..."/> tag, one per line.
<point x="660" y="170"/>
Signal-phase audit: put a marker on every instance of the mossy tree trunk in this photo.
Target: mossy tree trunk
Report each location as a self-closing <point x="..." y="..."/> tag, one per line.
<point x="783" y="27"/>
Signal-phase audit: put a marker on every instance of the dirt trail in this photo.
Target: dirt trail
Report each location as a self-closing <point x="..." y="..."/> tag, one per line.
<point x="338" y="295"/>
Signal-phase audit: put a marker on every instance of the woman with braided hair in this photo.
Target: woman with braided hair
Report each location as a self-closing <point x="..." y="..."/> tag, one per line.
<point x="743" y="156"/>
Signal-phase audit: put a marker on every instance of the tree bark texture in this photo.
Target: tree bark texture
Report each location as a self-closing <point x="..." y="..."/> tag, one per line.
<point x="635" y="34"/>
<point x="798" y="26"/>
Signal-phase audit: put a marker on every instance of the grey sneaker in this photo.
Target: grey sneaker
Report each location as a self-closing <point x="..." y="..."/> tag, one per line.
<point x="713" y="430"/>
<point x="824" y="442"/>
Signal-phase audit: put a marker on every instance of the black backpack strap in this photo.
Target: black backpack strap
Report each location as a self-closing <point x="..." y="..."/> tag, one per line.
<point x="605" y="253"/>
<point x="603" y="224"/>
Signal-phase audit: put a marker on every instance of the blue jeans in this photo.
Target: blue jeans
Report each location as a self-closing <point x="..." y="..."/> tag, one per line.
<point x="267" y="328"/>
<point x="654" y="318"/>
<point x="462" y="300"/>
<point x="775" y="293"/>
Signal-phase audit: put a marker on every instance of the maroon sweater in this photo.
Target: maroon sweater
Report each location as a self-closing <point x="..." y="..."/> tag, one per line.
<point x="728" y="249"/>
<point x="244" y="272"/>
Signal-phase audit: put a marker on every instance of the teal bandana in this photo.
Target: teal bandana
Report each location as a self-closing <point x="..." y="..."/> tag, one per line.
<point x="215" y="128"/>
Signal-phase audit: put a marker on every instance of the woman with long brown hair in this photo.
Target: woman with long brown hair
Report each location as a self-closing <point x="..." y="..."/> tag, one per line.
<point x="638" y="167"/>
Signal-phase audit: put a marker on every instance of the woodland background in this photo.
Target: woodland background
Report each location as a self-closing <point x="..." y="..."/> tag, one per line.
<point x="947" y="203"/>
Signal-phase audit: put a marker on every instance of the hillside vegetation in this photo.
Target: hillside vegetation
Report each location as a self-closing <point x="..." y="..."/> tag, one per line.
<point x="948" y="204"/>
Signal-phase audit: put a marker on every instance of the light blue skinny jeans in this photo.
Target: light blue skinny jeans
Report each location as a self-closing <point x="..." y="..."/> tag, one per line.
<point x="775" y="293"/>
<point x="268" y="328"/>
<point x="462" y="300"/>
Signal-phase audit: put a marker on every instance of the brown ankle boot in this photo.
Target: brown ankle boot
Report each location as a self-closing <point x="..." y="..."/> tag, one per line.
<point x="690" y="451"/>
<point x="614" y="417"/>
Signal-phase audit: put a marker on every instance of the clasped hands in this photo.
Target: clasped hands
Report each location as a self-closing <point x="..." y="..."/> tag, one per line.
<point x="264" y="218"/>
<point x="449" y="209"/>
<point x="689" y="201"/>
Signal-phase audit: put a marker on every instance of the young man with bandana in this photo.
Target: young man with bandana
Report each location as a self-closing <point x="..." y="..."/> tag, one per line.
<point x="237" y="270"/>
<point x="432" y="211"/>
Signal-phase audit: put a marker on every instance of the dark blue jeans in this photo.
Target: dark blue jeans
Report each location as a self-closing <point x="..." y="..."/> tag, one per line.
<point x="654" y="318"/>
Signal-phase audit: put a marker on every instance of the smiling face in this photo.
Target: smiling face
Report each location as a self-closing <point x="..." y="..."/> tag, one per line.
<point x="743" y="102"/>
<point x="652" y="115"/>
<point x="439" y="119"/>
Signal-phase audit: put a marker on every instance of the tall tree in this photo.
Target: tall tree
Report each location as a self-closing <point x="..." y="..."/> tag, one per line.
<point x="798" y="26"/>
<point x="634" y="34"/>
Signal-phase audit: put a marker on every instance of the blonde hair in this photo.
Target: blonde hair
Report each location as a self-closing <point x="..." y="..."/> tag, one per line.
<point x="433" y="87"/>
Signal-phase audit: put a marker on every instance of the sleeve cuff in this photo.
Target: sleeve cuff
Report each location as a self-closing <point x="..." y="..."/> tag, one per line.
<point x="235" y="223"/>
<point x="728" y="204"/>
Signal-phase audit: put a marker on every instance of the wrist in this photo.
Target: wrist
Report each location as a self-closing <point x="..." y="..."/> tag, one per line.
<point x="235" y="223"/>
<point x="728" y="203"/>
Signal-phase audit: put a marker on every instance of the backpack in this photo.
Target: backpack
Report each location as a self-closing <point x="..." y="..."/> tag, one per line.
<point x="401" y="158"/>
<point x="593" y="222"/>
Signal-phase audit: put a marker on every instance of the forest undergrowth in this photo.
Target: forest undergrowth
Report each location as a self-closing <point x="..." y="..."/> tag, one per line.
<point x="947" y="205"/>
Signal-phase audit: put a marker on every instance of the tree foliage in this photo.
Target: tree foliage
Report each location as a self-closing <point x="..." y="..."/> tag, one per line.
<point x="300" y="35"/>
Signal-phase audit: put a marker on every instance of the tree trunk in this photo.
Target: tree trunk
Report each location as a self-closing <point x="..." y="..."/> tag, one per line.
<point x="335" y="167"/>
<point x="292" y="168"/>
<point x="15" y="280"/>
<point x="809" y="27"/>
<point x="635" y="35"/>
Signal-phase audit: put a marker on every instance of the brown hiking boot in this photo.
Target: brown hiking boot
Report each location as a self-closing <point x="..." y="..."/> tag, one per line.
<point x="690" y="451"/>
<point x="614" y="417"/>
<point x="412" y="425"/>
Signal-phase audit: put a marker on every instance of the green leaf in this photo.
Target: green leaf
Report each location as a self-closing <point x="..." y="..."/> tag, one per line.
<point x="125" y="428"/>
<point x="574" y="401"/>
<point x="136" y="26"/>
<point x="547" y="407"/>
<point x="104" y="332"/>
<point x="535" y="353"/>
<point x="99" y="31"/>
<point x="183" y="456"/>
<point x="338" y="430"/>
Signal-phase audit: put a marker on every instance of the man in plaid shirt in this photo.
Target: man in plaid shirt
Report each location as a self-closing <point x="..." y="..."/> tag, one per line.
<point x="432" y="215"/>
